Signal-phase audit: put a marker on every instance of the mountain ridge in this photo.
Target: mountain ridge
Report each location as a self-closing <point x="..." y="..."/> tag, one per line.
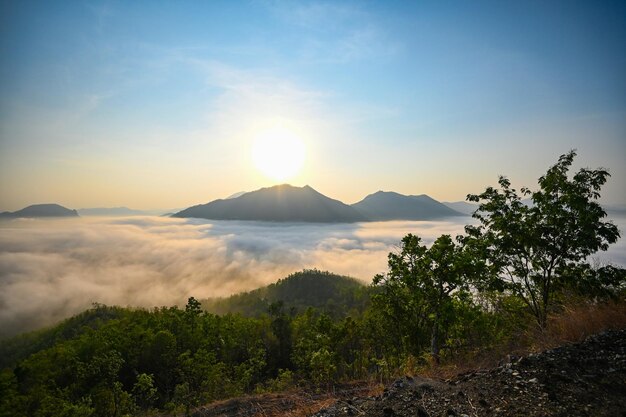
<point x="390" y="205"/>
<point x="280" y="203"/>
<point x="287" y="203"/>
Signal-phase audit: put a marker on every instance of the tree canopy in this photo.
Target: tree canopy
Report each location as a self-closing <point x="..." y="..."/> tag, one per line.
<point x="534" y="246"/>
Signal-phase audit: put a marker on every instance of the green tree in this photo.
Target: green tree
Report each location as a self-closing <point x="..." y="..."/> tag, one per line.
<point x="323" y="366"/>
<point x="534" y="246"/>
<point x="281" y="328"/>
<point x="161" y="362"/>
<point x="203" y="376"/>
<point x="144" y="391"/>
<point x="193" y="307"/>
<point x="424" y="282"/>
<point x="11" y="402"/>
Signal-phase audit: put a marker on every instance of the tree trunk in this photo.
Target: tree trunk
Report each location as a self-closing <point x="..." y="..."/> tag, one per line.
<point x="434" y="341"/>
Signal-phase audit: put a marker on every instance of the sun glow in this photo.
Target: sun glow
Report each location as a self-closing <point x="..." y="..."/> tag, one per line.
<point x="278" y="153"/>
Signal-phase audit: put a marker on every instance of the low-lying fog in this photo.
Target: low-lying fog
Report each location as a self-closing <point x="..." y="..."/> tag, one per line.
<point x="51" y="269"/>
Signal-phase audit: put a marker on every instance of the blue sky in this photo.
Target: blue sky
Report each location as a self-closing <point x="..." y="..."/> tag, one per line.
<point x="156" y="104"/>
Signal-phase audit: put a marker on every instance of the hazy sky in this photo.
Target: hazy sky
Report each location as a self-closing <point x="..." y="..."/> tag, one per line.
<point x="156" y="104"/>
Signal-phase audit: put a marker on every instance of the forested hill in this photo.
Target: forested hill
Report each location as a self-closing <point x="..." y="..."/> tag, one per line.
<point x="336" y="295"/>
<point x="19" y="347"/>
<point x="333" y="294"/>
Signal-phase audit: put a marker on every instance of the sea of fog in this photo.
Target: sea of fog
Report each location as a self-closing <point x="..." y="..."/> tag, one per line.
<point x="51" y="269"/>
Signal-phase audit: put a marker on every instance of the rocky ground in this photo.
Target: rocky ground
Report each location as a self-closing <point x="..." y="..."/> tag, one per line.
<point x="581" y="379"/>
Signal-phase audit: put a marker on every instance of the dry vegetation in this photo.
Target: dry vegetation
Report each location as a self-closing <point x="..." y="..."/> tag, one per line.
<point x="298" y="402"/>
<point x="575" y="322"/>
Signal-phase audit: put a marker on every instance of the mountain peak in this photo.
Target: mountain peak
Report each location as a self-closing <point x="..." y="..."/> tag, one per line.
<point x="389" y="205"/>
<point x="279" y="203"/>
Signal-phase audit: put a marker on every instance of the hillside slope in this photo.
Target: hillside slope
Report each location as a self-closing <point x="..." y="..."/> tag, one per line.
<point x="334" y="294"/>
<point x="19" y="347"/>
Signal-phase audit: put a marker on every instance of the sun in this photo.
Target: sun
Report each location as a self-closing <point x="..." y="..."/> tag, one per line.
<point x="278" y="153"/>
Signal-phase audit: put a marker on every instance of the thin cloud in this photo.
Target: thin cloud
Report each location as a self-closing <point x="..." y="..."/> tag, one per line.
<point x="356" y="33"/>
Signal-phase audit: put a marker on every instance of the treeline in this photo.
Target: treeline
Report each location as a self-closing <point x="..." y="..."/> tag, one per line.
<point x="336" y="295"/>
<point x="435" y="303"/>
<point x="172" y="359"/>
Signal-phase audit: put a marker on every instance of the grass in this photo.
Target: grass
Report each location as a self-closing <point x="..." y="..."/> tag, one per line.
<point x="578" y="321"/>
<point x="573" y="323"/>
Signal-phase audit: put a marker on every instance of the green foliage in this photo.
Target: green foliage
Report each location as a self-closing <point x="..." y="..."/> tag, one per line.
<point x="536" y="247"/>
<point x="283" y="381"/>
<point x="600" y="283"/>
<point x="322" y="366"/>
<point x="426" y="287"/>
<point x="144" y="391"/>
<point x="19" y="347"/>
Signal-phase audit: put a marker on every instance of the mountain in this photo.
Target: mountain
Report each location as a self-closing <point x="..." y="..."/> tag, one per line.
<point x="385" y="205"/>
<point x="40" y="210"/>
<point x="335" y="294"/>
<point x="281" y="203"/>
<point x="462" y="207"/>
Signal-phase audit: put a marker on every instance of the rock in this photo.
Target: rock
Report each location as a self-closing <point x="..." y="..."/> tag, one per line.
<point x="421" y="412"/>
<point x="388" y="412"/>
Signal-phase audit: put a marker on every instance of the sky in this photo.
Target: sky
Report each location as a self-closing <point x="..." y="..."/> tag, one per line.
<point x="150" y="104"/>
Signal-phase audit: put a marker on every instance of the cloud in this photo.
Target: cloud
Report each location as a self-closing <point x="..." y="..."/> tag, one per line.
<point x="51" y="269"/>
<point x="337" y="33"/>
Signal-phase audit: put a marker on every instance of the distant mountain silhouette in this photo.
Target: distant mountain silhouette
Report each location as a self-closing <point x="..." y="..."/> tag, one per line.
<point x="386" y="205"/>
<point x="462" y="206"/>
<point x="40" y="210"/>
<point x="281" y="203"/>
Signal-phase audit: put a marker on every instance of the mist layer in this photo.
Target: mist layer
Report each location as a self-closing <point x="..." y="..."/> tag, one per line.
<point x="51" y="269"/>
